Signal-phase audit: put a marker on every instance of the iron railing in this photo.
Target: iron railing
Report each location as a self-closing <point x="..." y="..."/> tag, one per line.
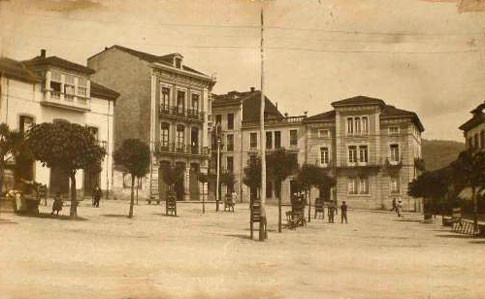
<point x="180" y="111"/>
<point x="180" y="148"/>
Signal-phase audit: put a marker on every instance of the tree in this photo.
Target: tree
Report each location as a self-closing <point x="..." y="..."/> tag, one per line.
<point x="280" y="165"/>
<point x="67" y="146"/>
<point x="173" y="176"/>
<point x="309" y="176"/>
<point x="10" y="147"/>
<point x="133" y="156"/>
<point x="203" y="178"/>
<point x="469" y="169"/>
<point x="228" y="179"/>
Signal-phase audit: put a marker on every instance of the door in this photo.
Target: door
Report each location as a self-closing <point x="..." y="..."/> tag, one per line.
<point x="91" y="180"/>
<point x="162" y="186"/>
<point x="194" y="182"/>
<point x="194" y="140"/>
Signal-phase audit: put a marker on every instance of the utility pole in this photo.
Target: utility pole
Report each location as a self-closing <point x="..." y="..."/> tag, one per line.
<point x="262" y="135"/>
<point x="218" y="136"/>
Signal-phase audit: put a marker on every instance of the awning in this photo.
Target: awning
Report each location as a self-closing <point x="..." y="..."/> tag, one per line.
<point x="466" y="193"/>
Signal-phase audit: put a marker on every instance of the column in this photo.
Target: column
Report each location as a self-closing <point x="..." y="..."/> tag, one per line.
<point x="187" y="183"/>
<point x="204" y="103"/>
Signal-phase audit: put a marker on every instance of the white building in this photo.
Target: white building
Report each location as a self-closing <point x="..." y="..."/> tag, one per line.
<point x="46" y="89"/>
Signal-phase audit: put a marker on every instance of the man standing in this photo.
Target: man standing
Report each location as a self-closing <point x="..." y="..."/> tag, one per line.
<point x="331" y="212"/>
<point x="343" y="212"/>
<point x="399" y="208"/>
<point x="97" y="196"/>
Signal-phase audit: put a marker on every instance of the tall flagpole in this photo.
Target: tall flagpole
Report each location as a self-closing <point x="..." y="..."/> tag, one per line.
<point x="262" y="135"/>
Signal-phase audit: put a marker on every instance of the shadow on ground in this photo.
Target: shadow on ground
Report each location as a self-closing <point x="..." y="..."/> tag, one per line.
<point x="456" y="236"/>
<point x="57" y="217"/>
<point x="239" y="236"/>
<point x="5" y="221"/>
<point x="115" y="215"/>
<point x="409" y="220"/>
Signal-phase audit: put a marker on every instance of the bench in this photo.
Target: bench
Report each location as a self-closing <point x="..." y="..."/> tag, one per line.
<point x="154" y="199"/>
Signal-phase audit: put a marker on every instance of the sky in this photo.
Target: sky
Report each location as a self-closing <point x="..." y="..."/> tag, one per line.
<point x="420" y="55"/>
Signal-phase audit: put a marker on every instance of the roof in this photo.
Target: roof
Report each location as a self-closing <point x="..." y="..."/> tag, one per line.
<point x="477" y="119"/>
<point x="165" y="59"/>
<point x="359" y="101"/>
<point x="101" y="91"/>
<point x="58" y="62"/>
<point x="393" y="112"/>
<point x="16" y="69"/>
<point x="251" y="101"/>
<point x="325" y="116"/>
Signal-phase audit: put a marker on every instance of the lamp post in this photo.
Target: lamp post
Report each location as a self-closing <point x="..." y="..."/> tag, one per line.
<point x="218" y="136"/>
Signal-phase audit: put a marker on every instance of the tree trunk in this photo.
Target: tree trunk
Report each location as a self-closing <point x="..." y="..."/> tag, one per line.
<point x="309" y="205"/>
<point x="1" y="184"/>
<point x="203" y="197"/>
<point x="137" y="187"/>
<point x="279" y="213"/>
<point x="475" y="209"/>
<point x="132" y="200"/>
<point x="73" y="211"/>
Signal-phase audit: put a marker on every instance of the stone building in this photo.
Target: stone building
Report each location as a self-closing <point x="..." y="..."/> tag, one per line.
<point x="371" y="148"/>
<point x="474" y="129"/>
<point x="164" y="103"/>
<point x="47" y="89"/>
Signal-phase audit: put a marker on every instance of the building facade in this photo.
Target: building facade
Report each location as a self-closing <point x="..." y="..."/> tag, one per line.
<point x="474" y="129"/>
<point x="48" y="89"/>
<point x="164" y="103"/>
<point x="371" y="148"/>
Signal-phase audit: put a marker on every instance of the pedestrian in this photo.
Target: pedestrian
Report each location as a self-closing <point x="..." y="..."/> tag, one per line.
<point x="343" y="212"/>
<point x="97" y="196"/>
<point x="234" y="197"/>
<point x="399" y="209"/>
<point x="394" y="205"/>
<point x="331" y="212"/>
<point x="57" y="204"/>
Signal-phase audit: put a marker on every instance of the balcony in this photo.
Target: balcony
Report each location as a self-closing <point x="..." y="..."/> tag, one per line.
<point x="179" y="149"/>
<point x="68" y="101"/>
<point x="175" y="112"/>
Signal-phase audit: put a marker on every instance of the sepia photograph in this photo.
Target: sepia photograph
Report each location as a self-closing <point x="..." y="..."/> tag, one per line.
<point x="242" y="149"/>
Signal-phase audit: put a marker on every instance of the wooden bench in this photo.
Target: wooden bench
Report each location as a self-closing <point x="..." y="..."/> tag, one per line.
<point x="154" y="199"/>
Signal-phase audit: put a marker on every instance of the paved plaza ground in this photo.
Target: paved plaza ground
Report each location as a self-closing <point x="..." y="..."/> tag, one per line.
<point x="195" y="255"/>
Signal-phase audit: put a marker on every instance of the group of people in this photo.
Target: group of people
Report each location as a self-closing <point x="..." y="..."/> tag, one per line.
<point x="332" y="210"/>
<point x="58" y="203"/>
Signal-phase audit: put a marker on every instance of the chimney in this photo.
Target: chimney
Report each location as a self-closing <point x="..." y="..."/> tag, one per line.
<point x="106" y="48"/>
<point x="306" y="113"/>
<point x="253" y="88"/>
<point x="42" y="53"/>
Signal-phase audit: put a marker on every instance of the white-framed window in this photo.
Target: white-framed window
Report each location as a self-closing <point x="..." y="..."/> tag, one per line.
<point x="363" y="185"/>
<point x="69" y="88"/>
<point x="350" y="125"/>
<point x="181" y="101"/>
<point x="293" y="138"/>
<point x="394" y="184"/>
<point x="393" y="130"/>
<point x="323" y="133"/>
<point x="363" y="153"/>
<point x="180" y="136"/>
<point x="357" y="125"/>
<point x="352" y="149"/>
<point x="82" y="87"/>
<point x="230" y="142"/>
<point x="365" y="124"/>
<point x="394" y="152"/>
<point x="165" y="98"/>
<point x="352" y="185"/>
<point x="195" y="102"/>
<point x="164" y="134"/>
<point x="324" y="156"/>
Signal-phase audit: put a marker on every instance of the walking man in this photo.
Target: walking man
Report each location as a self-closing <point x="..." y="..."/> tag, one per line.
<point x="343" y="212"/>
<point x="399" y="209"/>
<point x="97" y="196"/>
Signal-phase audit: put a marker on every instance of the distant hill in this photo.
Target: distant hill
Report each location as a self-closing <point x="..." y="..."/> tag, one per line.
<point x="440" y="153"/>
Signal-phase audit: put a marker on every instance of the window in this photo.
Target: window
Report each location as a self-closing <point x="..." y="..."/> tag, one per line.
<point x="350" y="125"/>
<point x="230" y="164"/>
<point x="180" y="101"/>
<point x="394" y="148"/>
<point x="482" y="139"/>
<point x="164" y="135"/>
<point x="82" y="89"/>
<point x="165" y="99"/>
<point x="293" y="138"/>
<point x="323" y="133"/>
<point x="363" y="154"/>
<point x="253" y="140"/>
<point x="178" y="63"/>
<point x="25" y="123"/>
<point x="218" y="119"/>
<point x="357" y="125"/>
<point x="393" y="130"/>
<point x="364" y="185"/>
<point x="324" y="155"/>
<point x="394" y="184"/>
<point x="352" y="154"/>
<point x="195" y="103"/>
<point x="180" y="137"/>
<point x="69" y="88"/>
<point x="269" y="140"/>
<point x="230" y="121"/>
<point x="277" y="139"/>
<point x="230" y="142"/>
<point x="352" y="187"/>
<point x="476" y="141"/>
<point x="365" y="124"/>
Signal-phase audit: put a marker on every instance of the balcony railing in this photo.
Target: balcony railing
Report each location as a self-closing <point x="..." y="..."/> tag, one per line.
<point x="59" y="99"/>
<point x="180" y="111"/>
<point x="180" y="148"/>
